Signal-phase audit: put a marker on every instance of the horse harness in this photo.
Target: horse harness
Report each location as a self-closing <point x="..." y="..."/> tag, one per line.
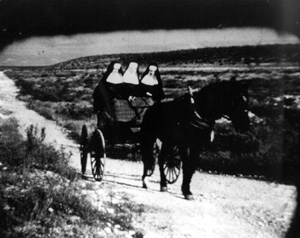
<point x="196" y="120"/>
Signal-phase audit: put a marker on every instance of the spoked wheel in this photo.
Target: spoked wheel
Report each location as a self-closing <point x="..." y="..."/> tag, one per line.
<point x="172" y="165"/>
<point x="98" y="155"/>
<point x="84" y="141"/>
<point x="156" y="150"/>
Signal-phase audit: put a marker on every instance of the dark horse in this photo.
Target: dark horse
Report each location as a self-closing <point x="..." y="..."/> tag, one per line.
<point x="187" y="123"/>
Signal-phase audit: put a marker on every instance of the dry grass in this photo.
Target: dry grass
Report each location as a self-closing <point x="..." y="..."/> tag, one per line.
<point x="63" y="93"/>
<point x="40" y="195"/>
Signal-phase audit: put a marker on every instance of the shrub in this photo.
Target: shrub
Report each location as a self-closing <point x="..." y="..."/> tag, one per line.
<point x="12" y="146"/>
<point x="41" y="203"/>
<point x="17" y="154"/>
<point x="45" y="157"/>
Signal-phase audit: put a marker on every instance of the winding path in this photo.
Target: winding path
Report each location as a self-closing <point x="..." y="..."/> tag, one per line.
<point x="224" y="206"/>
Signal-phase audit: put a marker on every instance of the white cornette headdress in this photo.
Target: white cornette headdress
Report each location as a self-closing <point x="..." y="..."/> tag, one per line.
<point x="150" y="78"/>
<point x="131" y="75"/>
<point x="115" y="76"/>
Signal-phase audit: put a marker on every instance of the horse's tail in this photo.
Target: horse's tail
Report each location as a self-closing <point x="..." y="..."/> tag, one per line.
<point x="148" y="136"/>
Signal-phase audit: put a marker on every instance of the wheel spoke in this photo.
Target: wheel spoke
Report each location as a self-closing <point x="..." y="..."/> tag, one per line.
<point x="176" y="172"/>
<point x="167" y="172"/>
<point x="172" y="164"/>
<point x="98" y="155"/>
<point x="172" y="176"/>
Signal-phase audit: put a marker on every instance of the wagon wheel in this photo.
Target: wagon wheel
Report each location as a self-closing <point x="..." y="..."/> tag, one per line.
<point x="171" y="165"/>
<point x="98" y="155"/>
<point x="84" y="141"/>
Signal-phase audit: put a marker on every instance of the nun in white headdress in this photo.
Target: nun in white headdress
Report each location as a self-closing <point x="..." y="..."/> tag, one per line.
<point x="109" y="87"/>
<point x="151" y="83"/>
<point x="113" y="80"/>
<point x="131" y="80"/>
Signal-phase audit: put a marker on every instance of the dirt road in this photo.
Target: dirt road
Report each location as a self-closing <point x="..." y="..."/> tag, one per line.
<point x="224" y="206"/>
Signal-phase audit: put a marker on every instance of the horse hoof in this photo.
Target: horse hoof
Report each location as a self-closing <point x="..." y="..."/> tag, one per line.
<point x="189" y="197"/>
<point x="163" y="189"/>
<point x="145" y="186"/>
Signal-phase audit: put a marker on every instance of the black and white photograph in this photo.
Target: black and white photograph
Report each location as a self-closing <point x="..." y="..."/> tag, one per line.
<point x="150" y="118"/>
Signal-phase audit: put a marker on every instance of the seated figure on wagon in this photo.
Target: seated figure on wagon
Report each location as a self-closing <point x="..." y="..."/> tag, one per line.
<point x="122" y="99"/>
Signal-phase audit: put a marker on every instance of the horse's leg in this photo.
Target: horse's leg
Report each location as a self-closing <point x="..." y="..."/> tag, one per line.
<point x="148" y="135"/>
<point x="189" y="160"/>
<point x="144" y="177"/>
<point x="148" y="162"/>
<point x="145" y="158"/>
<point x="161" y="159"/>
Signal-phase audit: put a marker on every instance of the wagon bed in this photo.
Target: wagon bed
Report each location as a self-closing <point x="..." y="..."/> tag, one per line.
<point x="123" y="112"/>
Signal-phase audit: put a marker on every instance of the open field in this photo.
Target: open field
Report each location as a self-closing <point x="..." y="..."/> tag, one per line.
<point x="63" y="92"/>
<point x="37" y="201"/>
<point x="119" y="206"/>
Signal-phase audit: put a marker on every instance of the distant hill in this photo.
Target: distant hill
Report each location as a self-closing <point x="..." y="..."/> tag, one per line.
<point x="221" y="55"/>
<point x="218" y="56"/>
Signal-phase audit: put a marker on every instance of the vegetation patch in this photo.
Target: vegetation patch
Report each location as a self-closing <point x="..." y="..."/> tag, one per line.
<point x="41" y="197"/>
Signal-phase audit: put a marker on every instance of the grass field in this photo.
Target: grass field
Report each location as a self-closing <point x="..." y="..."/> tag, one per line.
<point x="63" y="93"/>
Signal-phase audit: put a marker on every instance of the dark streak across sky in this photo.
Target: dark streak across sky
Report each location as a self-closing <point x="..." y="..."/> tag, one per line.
<point x="22" y="18"/>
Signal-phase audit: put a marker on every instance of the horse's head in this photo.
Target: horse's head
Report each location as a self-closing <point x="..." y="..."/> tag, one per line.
<point x="225" y="99"/>
<point x="237" y="107"/>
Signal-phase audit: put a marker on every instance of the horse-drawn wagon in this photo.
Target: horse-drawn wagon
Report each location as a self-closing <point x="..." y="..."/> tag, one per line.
<point x="131" y="110"/>
<point x="120" y="105"/>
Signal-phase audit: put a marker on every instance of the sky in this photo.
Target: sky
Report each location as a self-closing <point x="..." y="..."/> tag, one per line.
<point x="75" y="22"/>
<point x="20" y="18"/>
<point x="47" y="50"/>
